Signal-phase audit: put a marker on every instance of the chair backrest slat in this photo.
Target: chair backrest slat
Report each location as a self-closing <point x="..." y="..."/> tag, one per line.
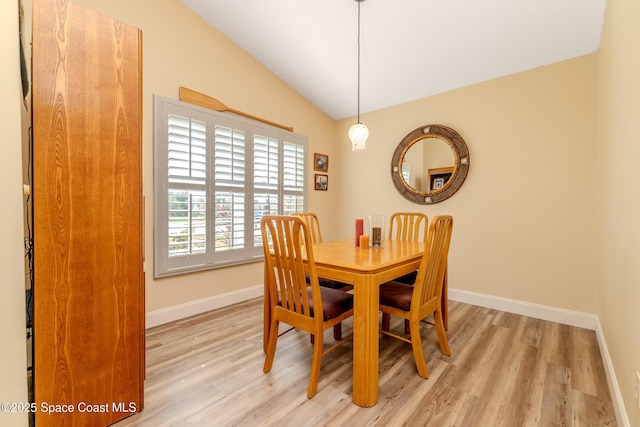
<point x="408" y="226"/>
<point x="286" y="244"/>
<point x="434" y="262"/>
<point x="313" y="225"/>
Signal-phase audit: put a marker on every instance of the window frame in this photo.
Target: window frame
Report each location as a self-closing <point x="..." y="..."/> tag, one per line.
<point x="251" y="251"/>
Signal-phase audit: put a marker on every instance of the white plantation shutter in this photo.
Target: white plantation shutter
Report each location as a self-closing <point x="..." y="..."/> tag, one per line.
<point x="229" y="156"/>
<point x="264" y="204"/>
<point x="187" y="222"/>
<point x="229" y="221"/>
<point x="186" y="170"/>
<point x="293" y="166"/>
<point x="265" y="163"/>
<point x="230" y="177"/>
<point x="293" y="181"/>
<point x="216" y="177"/>
<point x="187" y="150"/>
<point x="265" y="180"/>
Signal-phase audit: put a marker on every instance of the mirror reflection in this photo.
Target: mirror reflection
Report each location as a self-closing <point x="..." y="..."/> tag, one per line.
<point x="428" y="164"/>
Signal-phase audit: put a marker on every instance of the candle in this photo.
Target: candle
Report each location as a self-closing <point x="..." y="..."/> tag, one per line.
<point x="359" y="230"/>
<point x="364" y="242"/>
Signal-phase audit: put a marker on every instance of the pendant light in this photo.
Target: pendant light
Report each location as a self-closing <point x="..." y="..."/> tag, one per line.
<point x="358" y="133"/>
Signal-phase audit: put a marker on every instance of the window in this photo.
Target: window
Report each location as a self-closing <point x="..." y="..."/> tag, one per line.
<point x="216" y="176"/>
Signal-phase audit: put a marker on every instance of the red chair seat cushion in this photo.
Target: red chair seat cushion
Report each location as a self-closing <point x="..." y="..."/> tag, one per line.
<point x="334" y="302"/>
<point x="396" y="294"/>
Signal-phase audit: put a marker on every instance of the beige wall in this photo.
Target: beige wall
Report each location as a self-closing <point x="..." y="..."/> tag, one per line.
<point x="619" y="202"/>
<point x="13" y="359"/>
<point x="528" y="201"/>
<point x="180" y="49"/>
<point x="525" y="218"/>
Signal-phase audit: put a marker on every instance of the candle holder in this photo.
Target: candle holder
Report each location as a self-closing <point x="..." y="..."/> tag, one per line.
<point x="376" y="230"/>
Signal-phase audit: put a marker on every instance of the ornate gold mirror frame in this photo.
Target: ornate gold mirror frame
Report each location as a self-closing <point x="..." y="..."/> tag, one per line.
<point x="458" y="169"/>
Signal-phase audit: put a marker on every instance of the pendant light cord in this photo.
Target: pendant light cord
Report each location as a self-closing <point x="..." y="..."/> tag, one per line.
<point x="358" y="133"/>
<point x="359" y="1"/>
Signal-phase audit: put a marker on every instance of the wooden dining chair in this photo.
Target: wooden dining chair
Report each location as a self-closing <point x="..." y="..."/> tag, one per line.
<point x="415" y="303"/>
<point x="312" y="308"/>
<point x="313" y="224"/>
<point x="408" y="227"/>
<point x="311" y="219"/>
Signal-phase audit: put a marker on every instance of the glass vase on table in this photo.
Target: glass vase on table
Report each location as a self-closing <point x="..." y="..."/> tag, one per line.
<point x="376" y="230"/>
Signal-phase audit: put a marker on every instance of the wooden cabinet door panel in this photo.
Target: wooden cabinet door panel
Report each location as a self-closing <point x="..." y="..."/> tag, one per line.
<point x="87" y="191"/>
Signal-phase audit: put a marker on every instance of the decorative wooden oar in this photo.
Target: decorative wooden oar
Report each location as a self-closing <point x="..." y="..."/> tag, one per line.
<point x="202" y="100"/>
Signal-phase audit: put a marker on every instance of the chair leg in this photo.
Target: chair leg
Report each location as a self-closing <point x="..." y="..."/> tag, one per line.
<point x="316" y="362"/>
<point x="386" y="322"/>
<point x="271" y="346"/>
<point x="445" y="311"/>
<point x="337" y="332"/>
<point x="416" y="345"/>
<point x="442" y="335"/>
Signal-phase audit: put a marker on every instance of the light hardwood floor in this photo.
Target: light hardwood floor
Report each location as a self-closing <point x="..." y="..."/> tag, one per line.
<point x="504" y="370"/>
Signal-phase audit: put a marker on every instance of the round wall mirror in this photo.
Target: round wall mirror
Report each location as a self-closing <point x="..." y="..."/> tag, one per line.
<point x="430" y="164"/>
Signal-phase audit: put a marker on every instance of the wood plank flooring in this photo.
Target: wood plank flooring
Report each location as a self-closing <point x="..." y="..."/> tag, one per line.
<point x="504" y="370"/>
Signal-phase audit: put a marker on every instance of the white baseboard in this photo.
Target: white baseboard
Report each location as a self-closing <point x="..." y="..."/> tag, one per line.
<point x="181" y="311"/>
<point x="538" y="311"/>
<point x="559" y="315"/>
<point x="614" y="389"/>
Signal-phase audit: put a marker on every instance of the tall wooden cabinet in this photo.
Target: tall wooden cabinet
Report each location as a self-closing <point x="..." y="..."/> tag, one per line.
<point x="88" y="217"/>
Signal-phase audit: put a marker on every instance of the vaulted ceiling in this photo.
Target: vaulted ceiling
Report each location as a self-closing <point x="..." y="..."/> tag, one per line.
<point x="410" y="49"/>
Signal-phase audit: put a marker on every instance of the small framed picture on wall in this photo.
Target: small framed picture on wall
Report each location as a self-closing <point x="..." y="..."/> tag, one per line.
<point x="322" y="182"/>
<point x="320" y="162"/>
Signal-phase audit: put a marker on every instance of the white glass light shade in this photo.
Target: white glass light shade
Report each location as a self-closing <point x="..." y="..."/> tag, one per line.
<point x="358" y="134"/>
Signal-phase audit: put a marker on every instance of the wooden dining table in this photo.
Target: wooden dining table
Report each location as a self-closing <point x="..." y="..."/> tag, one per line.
<point x="366" y="269"/>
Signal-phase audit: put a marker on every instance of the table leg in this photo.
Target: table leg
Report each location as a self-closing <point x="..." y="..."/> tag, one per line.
<point x="365" y="342"/>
